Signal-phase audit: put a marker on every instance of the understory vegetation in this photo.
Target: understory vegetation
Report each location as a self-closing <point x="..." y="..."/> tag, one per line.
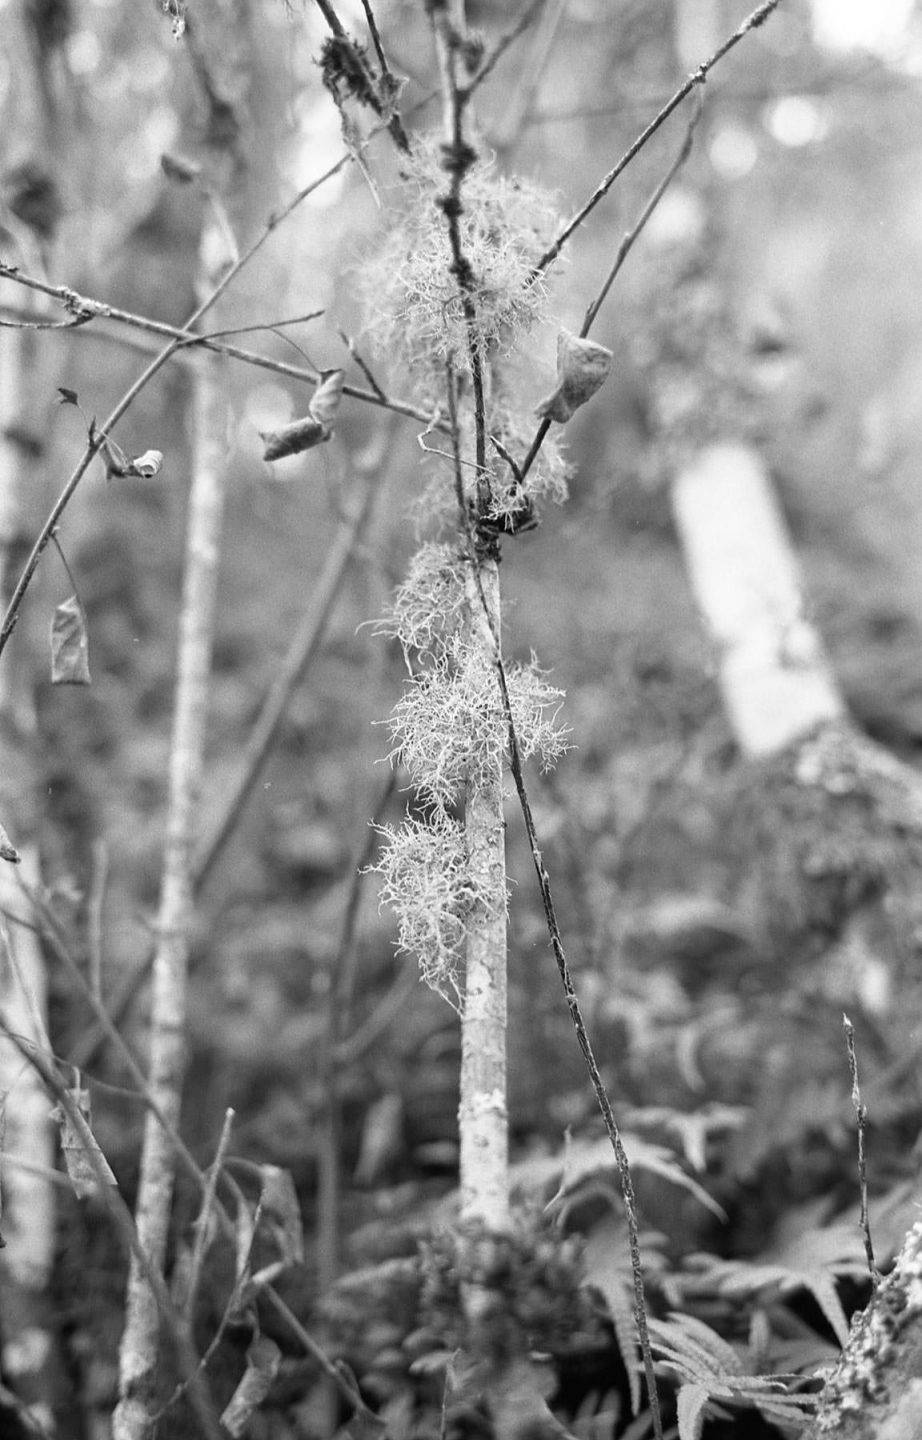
<point x="449" y="1026"/>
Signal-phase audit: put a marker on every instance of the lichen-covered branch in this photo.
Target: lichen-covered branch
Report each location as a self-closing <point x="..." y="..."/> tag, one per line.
<point x="875" y="1391"/>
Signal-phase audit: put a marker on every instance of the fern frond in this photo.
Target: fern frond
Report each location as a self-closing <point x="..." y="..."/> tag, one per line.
<point x="714" y="1371"/>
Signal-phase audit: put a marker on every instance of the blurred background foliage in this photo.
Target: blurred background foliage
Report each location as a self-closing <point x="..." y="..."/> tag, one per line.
<point x="712" y="963"/>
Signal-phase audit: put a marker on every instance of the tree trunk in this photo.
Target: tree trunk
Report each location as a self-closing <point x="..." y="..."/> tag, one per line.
<point x="30" y="1356"/>
<point x="483" y="1121"/>
<point x="139" y="1355"/>
<point x="776" y="682"/>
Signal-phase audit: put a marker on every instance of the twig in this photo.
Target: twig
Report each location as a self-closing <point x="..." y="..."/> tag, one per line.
<point x="183" y="1153"/>
<point x="861" y="1117"/>
<point x="390" y="85"/>
<point x="94" y="445"/>
<point x="302" y="649"/>
<point x="99" y="875"/>
<point x="503" y="43"/>
<point x="582" y="1035"/>
<point x="628" y="240"/>
<point x="379" y="91"/>
<point x="121" y="1216"/>
<point x="103" y="311"/>
<point x="24" y="1414"/>
<point x="624" y="250"/>
<point x="373" y="31"/>
<point x="697" y="77"/>
<point x="360" y="362"/>
<point x="209" y="1198"/>
<point x="458" y="159"/>
<point x="530" y="75"/>
<point x="346" y="951"/>
<point x="263" y="325"/>
<point x="338" y="1374"/>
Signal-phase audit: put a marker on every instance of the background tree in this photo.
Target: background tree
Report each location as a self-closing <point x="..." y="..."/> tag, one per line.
<point x="715" y="918"/>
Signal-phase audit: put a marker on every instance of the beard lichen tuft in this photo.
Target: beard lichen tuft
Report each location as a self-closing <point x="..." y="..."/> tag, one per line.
<point x="414" y="307"/>
<point x="448" y="727"/>
<point x="425" y="880"/>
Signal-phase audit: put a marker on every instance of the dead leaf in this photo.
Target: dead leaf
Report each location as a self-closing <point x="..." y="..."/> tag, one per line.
<point x="70" y="650"/>
<point x="582" y="368"/>
<point x="147" y="465"/>
<point x="281" y="1212"/>
<point x="316" y="426"/>
<point x="294" y="438"/>
<point x="327" y="396"/>
<point x="263" y="1360"/>
<point x="179" y="168"/>
<point x="79" y="1150"/>
<point x="8" y="850"/>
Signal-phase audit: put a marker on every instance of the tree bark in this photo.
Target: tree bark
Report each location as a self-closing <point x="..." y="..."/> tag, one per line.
<point x="31" y="1357"/>
<point x="776" y="682"/>
<point x="875" y="1391"/>
<point x="482" y="1116"/>
<point x="139" y="1354"/>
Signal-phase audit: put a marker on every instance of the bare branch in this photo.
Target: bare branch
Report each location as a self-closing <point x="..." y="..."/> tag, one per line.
<point x="697" y="77"/>
<point x="102" y="311"/>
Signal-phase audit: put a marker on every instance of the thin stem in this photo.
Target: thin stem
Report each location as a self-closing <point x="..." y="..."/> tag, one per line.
<point x="50" y="931"/>
<point x="624" y="249"/>
<point x="697" y="77"/>
<point x="582" y="1035"/>
<point x="121" y="1215"/>
<point x="530" y="75"/>
<point x="301" y="651"/>
<point x="504" y="42"/>
<point x="630" y="237"/>
<point x="208" y="1205"/>
<point x="131" y="394"/>
<point x="459" y="157"/>
<point x="861" y="1118"/>
<point x="183" y="1154"/>
<point x="102" y="311"/>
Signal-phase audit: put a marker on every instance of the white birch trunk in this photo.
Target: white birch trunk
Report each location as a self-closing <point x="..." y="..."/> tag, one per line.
<point x="30" y="1356"/>
<point x="776" y="682"/>
<point x="139" y="1357"/>
<point x="482" y="1116"/>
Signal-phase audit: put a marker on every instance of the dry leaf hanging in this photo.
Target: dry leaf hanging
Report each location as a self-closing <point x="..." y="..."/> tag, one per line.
<point x="70" y="650"/>
<point x="315" y="427"/>
<point x="8" y="850"/>
<point x="86" y="1165"/>
<point x="582" y="368"/>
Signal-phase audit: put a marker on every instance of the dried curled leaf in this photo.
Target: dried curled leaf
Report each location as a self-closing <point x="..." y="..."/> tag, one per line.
<point x="263" y="1360"/>
<point x="86" y="1165"/>
<point x="292" y="439"/>
<point x="281" y="1212"/>
<point x="8" y="850"/>
<point x="583" y="367"/>
<point x="70" y="649"/>
<point x="147" y="465"/>
<point x="179" y="168"/>
<point x="118" y="464"/>
<point x="315" y="427"/>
